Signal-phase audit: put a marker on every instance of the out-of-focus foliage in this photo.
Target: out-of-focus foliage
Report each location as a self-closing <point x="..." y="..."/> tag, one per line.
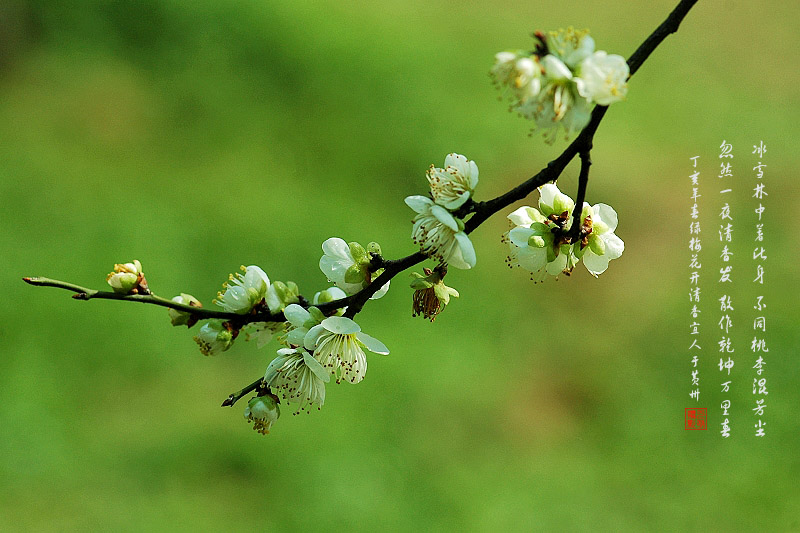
<point x="199" y="136"/>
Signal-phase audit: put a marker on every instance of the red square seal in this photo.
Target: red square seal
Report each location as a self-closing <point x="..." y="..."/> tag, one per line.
<point x="696" y="418"/>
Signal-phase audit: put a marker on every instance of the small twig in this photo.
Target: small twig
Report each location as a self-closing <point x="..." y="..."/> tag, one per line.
<point x="82" y="293"/>
<point x="236" y="396"/>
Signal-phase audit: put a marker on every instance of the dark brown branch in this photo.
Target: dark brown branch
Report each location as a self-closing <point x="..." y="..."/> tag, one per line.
<point x="670" y="25"/>
<point x="583" y="181"/>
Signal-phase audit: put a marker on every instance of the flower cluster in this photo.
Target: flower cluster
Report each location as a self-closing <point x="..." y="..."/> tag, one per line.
<point x="438" y="232"/>
<point x="318" y="348"/>
<point x="556" y="85"/>
<point x="539" y="242"/>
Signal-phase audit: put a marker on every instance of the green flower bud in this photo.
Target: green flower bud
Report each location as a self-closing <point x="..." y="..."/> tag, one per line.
<point x="597" y="245"/>
<point x="561" y="203"/>
<point x="355" y="274"/>
<point x="214" y="337"/>
<point x="123" y="282"/>
<point x="281" y="294"/>
<point x="536" y="241"/>
<point x="262" y="411"/>
<point x="374" y="248"/>
<point x="182" y="318"/>
<point x="358" y="252"/>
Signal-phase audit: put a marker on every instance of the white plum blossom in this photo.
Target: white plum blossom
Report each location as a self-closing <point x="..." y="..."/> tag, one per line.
<point x="338" y="344"/>
<point x="532" y="245"/>
<point x="298" y="378"/>
<point x="182" y="318"/>
<point x="452" y="185"/>
<point x="328" y="295"/>
<point x="535" y="242"/>
<point x="557" y="85"/>
<point x="243" y="292"/>
<point x="558" y="104"/>
<point x="128" y="278"/>
<point x="603" y="78"/>
<point x="554" y="203"/>
<point x="570" y="46"/>
<point x="348" y="272"/>
<point x="214" y="338"/>
<point x="262" y="411"/>
<point x="439" y="234"/>
<point x="300" y="321"/>
<point x="518" y="73"/>
<point x="601" y="244"/>
<point x="538" y="253"/>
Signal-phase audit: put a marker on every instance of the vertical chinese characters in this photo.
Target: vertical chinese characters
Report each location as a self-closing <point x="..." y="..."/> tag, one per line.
<point x="759" y="345"/>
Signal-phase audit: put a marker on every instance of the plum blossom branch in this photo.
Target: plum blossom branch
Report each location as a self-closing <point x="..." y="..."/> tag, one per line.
<point x="83" y="293"/>
<point x="462" y="215"/>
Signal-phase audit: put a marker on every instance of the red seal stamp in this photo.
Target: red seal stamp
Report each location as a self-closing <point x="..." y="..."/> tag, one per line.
<point x="695" y="418"/>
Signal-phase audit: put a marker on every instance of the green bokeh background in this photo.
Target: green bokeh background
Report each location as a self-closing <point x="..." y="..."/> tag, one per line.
<point x="200" y="136"/>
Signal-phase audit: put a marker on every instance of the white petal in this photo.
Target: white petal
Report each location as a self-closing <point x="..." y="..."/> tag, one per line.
<point x="310" y="340"/>
<point x="336" y="247"/>
<point x="380" y="292"/>
<point x="473" y="175"/>
<point x="614" y="245"/>
<point x="444" y="216"/>
<point x="457" y="161"/>
<point x="607" y="215"/>
<point x="458" y="202"/>
<point x="334" y="268"/>
<point x="273" y="301"/>
<point x="296" y="315"/>
<point x="372" y="344"/>
<point x="337" y="293"/>
<point x="596" y="264"/>
<point x="420" y="204"/>
<point x="555" y="69"/>
<point x="555" y="267"/>
<point x="315" y="367"/>
<point x="547" y="194"/>
<point x="340" y="325"/>
<point x="296" y="336"/>
<point x="583" y="51"/>
<point x="253" y="275"/>
<point x="467" y="255"/>
<point x="521" y="217"/>
<point x="520" y="236"/>
<point x="532" y="259"/>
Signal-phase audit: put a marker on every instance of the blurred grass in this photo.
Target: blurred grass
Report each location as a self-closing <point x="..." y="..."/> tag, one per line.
<point x="200" y="138"/>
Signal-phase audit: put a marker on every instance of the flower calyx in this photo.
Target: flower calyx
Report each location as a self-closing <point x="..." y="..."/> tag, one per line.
<point x="431" y="295"/>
